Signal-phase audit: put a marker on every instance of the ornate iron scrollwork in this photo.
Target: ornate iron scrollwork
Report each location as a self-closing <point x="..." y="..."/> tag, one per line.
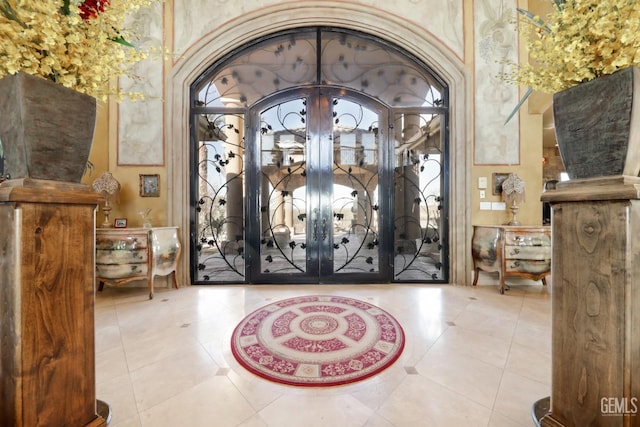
<point x="220" y="247"/>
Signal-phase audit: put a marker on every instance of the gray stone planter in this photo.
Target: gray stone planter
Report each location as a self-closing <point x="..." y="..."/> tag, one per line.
<point x="597" y="130"/>
<point x="46" y="129"/>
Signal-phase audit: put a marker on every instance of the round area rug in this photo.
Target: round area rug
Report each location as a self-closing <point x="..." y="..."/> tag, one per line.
<point x="317" y="341"/>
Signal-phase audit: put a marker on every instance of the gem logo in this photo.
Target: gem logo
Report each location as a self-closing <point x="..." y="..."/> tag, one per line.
<point x="620" y="406"/>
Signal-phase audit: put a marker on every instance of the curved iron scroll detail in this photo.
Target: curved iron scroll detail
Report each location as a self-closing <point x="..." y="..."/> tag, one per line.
<point x="355" y="166"/>
<point x="219" y="210"/>
<point x="283" y="170"/>
<point x="357" y="245"/>
<point x="419" y="245"/>
<point x="314" y="56"/>
<point x="282" y="251"/>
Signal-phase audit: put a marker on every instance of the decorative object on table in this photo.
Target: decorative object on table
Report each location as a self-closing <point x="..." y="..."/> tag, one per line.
<point x="50" y="79"/>
<point x="120" y="223"/>
<point x="586" y="54"/>
<point x="317" y="341"/>
<point x="109" y="187"/>
<point x="497" y="180"/>
<point x="513" y="194"/>
<point x="150" y="185"/>
<point x="146" y="218"/>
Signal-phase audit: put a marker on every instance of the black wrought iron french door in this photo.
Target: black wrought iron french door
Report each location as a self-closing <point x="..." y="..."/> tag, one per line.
<point x="319" y="194"/>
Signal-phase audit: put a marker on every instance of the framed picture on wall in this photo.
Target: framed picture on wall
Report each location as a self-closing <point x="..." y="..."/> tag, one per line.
<point x="150" y="185"/>
<point x="120" y="223"/>
<point x="498" y="179"/>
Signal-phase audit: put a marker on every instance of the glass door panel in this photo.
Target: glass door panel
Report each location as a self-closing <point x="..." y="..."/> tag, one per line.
<point x="283" y="188"/>
<point x="319" y="184"/>
<point x="355" y="188"/>
<point x="420" y="244"/>
<point x="219" y="212"/>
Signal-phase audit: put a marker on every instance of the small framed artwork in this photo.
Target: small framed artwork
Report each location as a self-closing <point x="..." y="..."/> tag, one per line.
<point x="498" y="179"/>
<point x="120" y="223"/>
<point x="150" y="185"/>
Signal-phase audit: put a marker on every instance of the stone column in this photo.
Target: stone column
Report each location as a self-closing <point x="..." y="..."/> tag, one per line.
<point x="235" y="178"/>
<point x="595" y="302"/>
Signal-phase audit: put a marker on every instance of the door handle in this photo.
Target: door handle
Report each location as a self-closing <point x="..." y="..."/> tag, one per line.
<point x="315" y="229"/>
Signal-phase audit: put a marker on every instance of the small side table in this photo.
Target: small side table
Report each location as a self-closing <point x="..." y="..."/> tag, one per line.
<point x="127" y="254"/>
<point x="523" y="251"/>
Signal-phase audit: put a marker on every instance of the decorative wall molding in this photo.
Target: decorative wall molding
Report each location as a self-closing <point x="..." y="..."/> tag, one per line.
<point x="443" y="19"/>
<point x="140" y="123"/>
<point x="495" y="40"/>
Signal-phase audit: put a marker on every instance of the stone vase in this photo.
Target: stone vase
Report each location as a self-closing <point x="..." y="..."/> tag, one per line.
<point x="597" y="127"/>
<point x="46" y="129"/>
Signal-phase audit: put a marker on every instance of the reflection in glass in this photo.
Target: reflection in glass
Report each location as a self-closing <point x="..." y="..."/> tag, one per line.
<point x="283" y="195"/>
<point x="219" y="213"/>
<point x="347" y="59"/>
<point x="355" y="188"/>
<point x="420" y="246"/>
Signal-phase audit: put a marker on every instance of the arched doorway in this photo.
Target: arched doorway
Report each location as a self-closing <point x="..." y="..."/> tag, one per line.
<point x="229" y="38"/>
<point x="321" y="157"/>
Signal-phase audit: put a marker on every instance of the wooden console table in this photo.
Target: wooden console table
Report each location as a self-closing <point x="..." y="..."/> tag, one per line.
<point x="523" y="251"/>
<point x="47" y="344"/>
<point x="127" y="254"/>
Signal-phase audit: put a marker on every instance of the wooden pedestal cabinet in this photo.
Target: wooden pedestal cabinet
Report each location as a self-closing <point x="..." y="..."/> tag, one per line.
<point x="47" y="348"/>
<point x="595" y="303"/>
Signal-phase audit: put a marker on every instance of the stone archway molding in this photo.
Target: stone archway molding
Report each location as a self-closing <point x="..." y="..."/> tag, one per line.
<point x="270" y="19"/>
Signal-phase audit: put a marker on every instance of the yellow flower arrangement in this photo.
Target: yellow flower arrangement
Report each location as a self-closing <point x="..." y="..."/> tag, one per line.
<point x="80" y="44"/>
<point x="579" y="41"/>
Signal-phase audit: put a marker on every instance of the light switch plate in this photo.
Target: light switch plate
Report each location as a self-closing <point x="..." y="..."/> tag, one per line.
<point x="482" y="182"/>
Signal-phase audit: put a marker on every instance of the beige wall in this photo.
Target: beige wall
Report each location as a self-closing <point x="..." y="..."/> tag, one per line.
<point x="129" y="203"/>
<point x="530" y="164"/>
<point x="452" y="44"/>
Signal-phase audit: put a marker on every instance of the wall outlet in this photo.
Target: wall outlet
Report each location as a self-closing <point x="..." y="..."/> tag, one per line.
<point x="483" y="194"/>
<point x="482" y="182"/>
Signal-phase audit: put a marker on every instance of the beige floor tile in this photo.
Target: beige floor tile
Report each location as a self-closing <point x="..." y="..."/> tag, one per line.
<point x="530" y="362"/>
<point x="517" y="395"/>
<point x="470" y="377"/>
<point x="465" y="342"/>
<point x="421" y="402"/>
<point x="111" y="364"/>
<point x="472" y="357"/>
<point x="214" y="402"/>
<point x="316" y="411"/>
<point x="498" y="420"/>
<point x="131" y="422"/>
<point x="117" y="392"/>
<point x="171" y="376"/>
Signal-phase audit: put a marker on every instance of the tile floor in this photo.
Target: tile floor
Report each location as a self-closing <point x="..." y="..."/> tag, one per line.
<point x="472" y="357"/>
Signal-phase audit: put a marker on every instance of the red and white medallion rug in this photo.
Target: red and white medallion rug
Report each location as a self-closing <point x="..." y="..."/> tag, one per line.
<point x="317" y="341"/>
